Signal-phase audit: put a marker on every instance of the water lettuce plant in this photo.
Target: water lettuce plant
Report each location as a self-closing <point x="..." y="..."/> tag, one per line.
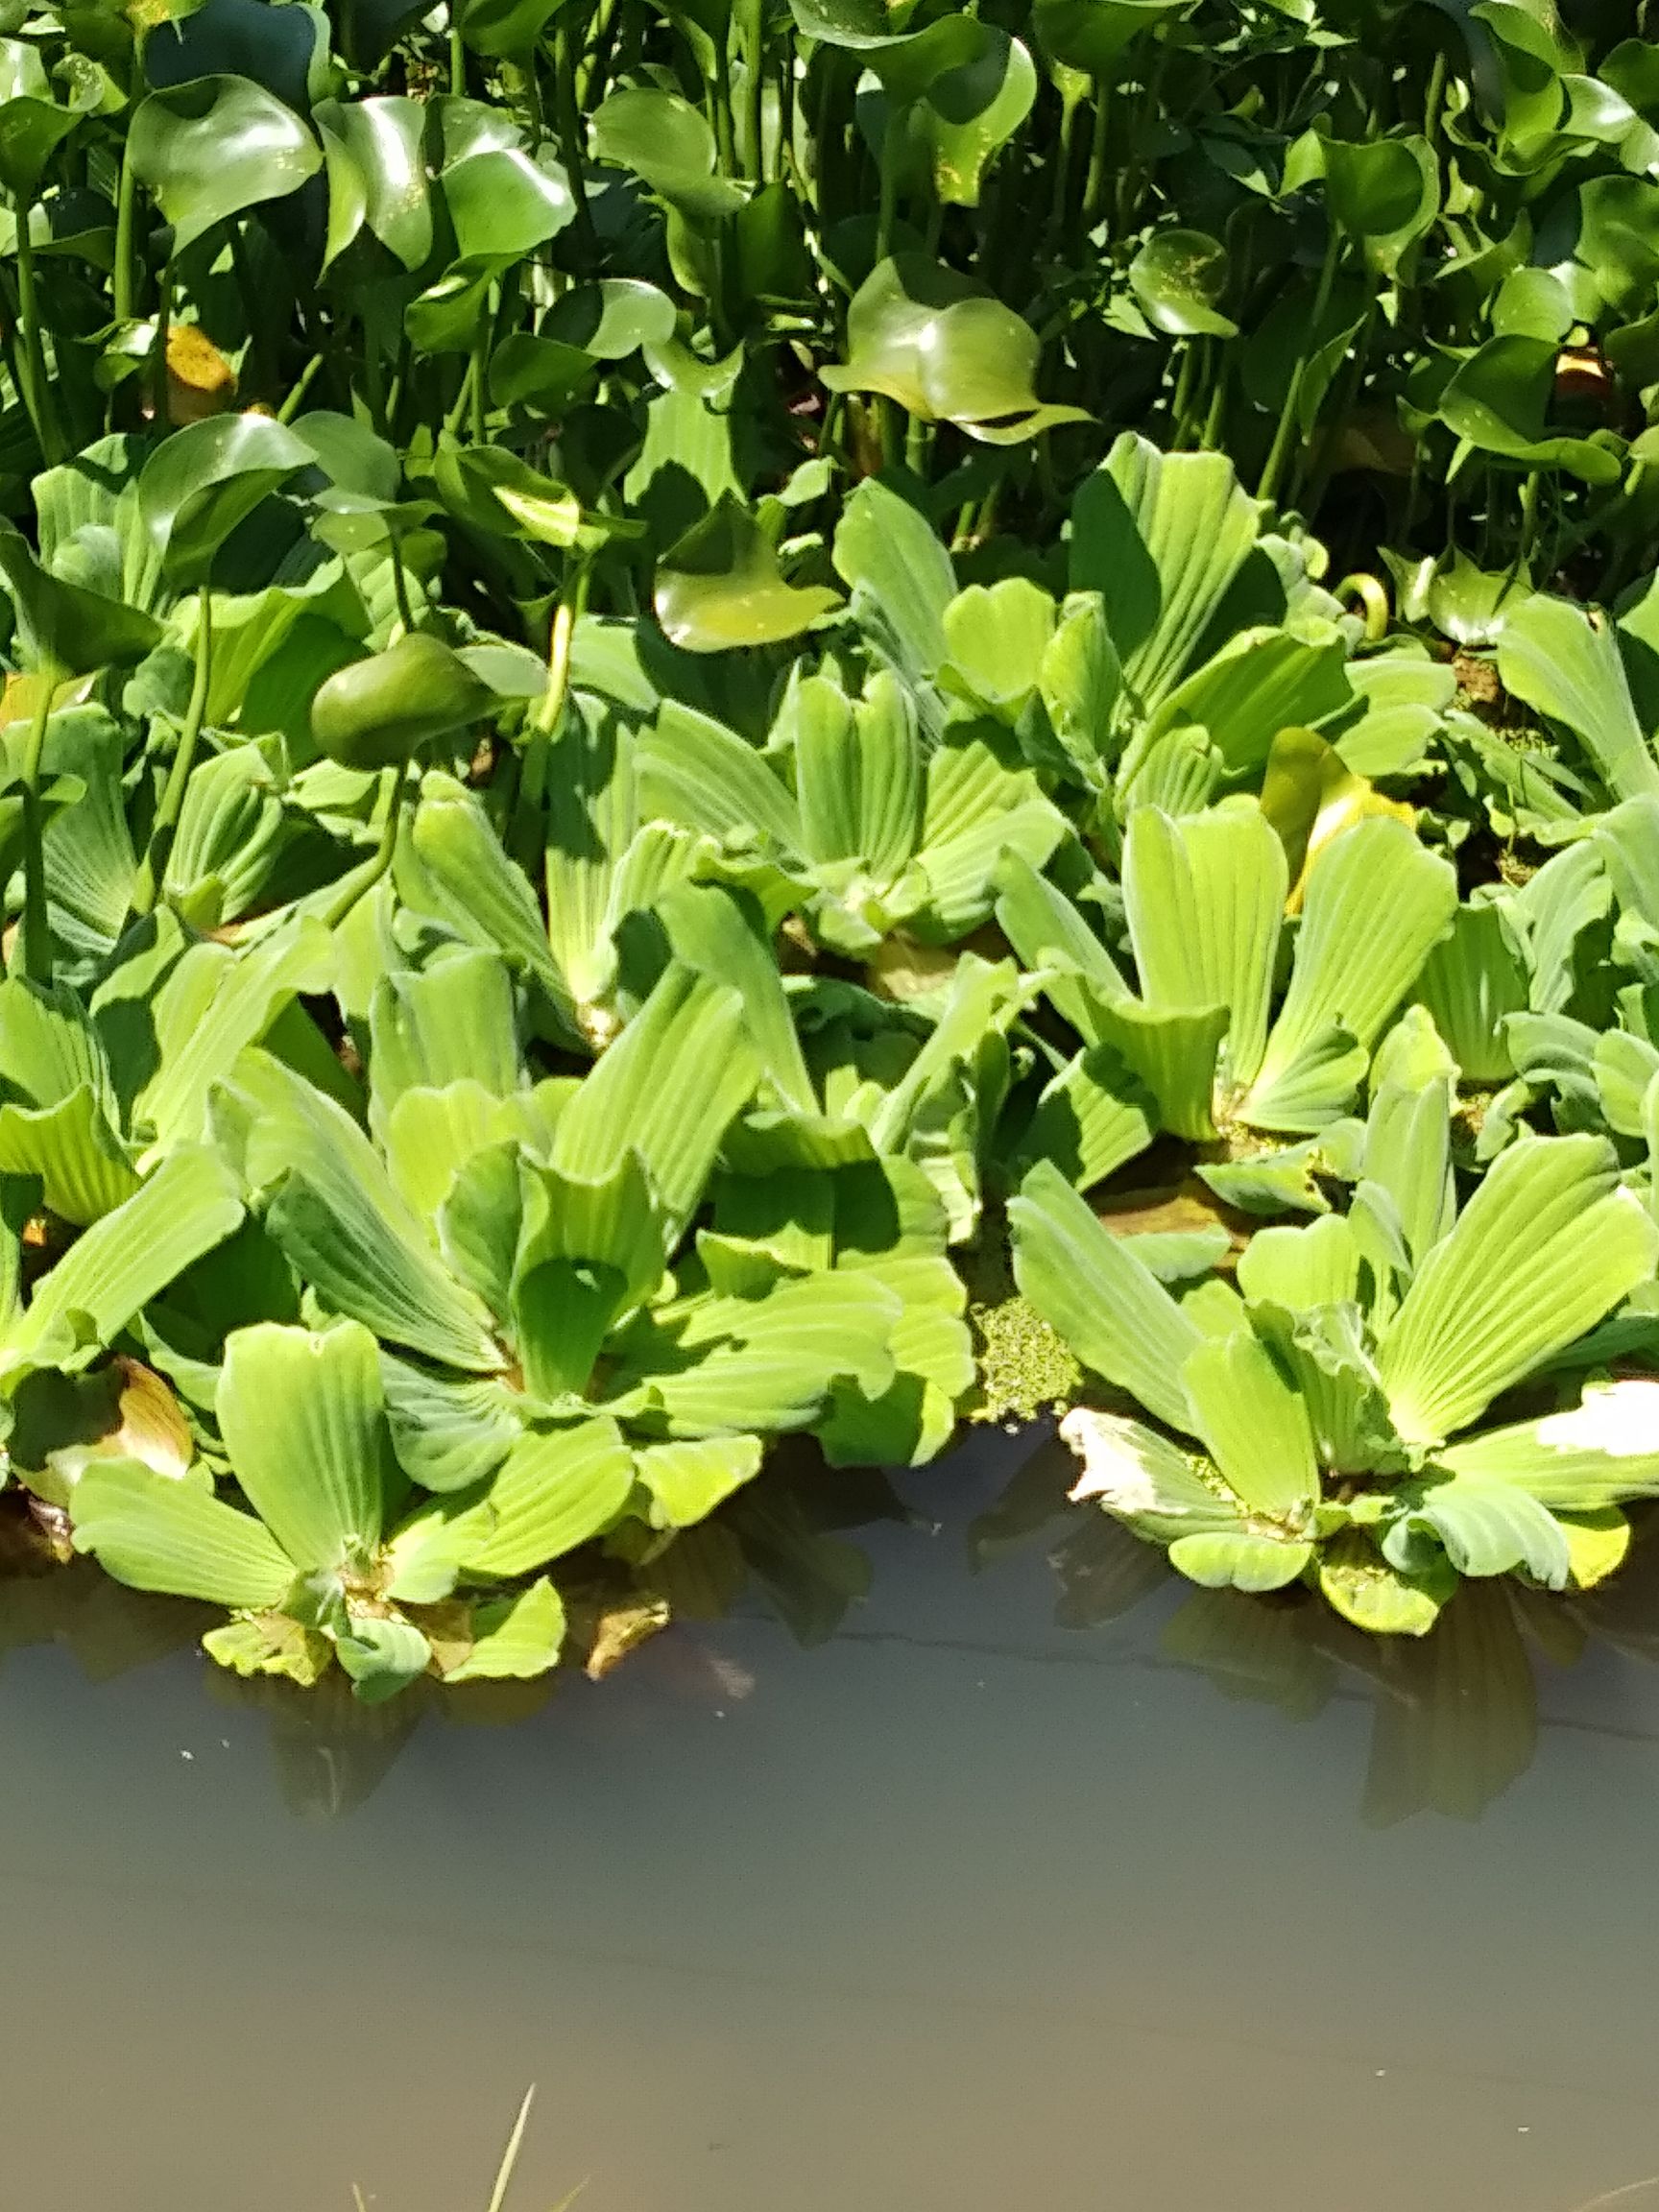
<point x="1321" y="1414"/>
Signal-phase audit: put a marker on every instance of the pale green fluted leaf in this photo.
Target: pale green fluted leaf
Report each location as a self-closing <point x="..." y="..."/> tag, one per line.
<point x="1484" y="1528"/>
<point x="1173" y="1051"/>
<point x="688" y="1479"/>
<point x="1262" y="682"/>
<point x="331" y="1206"/>
<point x="1161" y="1491"/>
<point x="189" y="1205"/>
<point x="83" y="1167"/>
<point x="589" y="1252"/>
<point x="976" y="810"/>
<point x="214" y="1003"/>
<point x="49" y="1048"/>
<point x="983" y="1001"/>
<point x="1162" y="537"/>
<point x="592" y="818"/>
<point x="722" y="935"/>
<point x="156" y="1532"/>
<point x="858" y="774"/>
<point x="381" y="1655"/>
<point x="1254" y="1425"/>
<point x="1471" y="982"/>
<point x="1596" y="1453"/>
<point x="303" y="1420"/>
<point x="1049" y="932"/>
<point x="691" y="1026"/>
<point x="1364" y="1589"/>
<point x="1627" y="840"/>
<point x="1625" y="1067"/>
<point x="693" y="770"/>
<point x="1301" y="1268"/>
<point x="1565" y="661"/>
<point x="1547" y="1245"/>
<point x="900" y="577"/>
<point x="451" y="1022"/>
<point x="1087" y="1284"/>
<point x="1091" y="1117"/>
<point x="1233" y="1560"/>
<point x="1203" y="896"/>
<point x="429" y="1135"/>
<point x="1570" y="893"/>
<point x="1375" y="903"/>
<point x="1408" y="1154"/>
<point x="556" y="1488"/>
<point x="711" y="1365"/>
<point x="513" y="1639"/>
<point x="447" y="1435"/>
<point x="455" y="867"/>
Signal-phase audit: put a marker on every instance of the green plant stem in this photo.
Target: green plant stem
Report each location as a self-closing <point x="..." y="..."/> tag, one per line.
<point x="457" y="56"/>
<point x="463" y="406"/>
<point x="126" y="242"/>
<point x="299" y="389"/>
<point x="1181" y="405"/>
<point x="37" y="397"/>
<point x="1060" y="203"/>
<point x="159" y="394"/>
<point x="363" y="879"/>
<point x="887" y="206"/>
<point x="401" y="584"/>
<point x="784" y="165"/>
<point x="37" y="936"/>
<point x="550" y="710"/>
<point x="478" y="381"/>
<point x="753" y="19"/>
<point x="1211" y="435"/>
<point x="1095" y="191"/>
<point x="1434" y="100"/>
<point x="152" y="868"/>
<point x="1530" y="494"/>
<point x="1278" y="452"/>
<point x="720" y="92"/>
<point x="567" y="117"/>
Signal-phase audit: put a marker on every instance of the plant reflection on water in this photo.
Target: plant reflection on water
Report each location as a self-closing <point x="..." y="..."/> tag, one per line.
<point x="1454" y="1716"/>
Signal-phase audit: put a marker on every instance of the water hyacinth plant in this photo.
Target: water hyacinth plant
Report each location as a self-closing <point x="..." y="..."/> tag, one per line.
<point x="672" y="678"/>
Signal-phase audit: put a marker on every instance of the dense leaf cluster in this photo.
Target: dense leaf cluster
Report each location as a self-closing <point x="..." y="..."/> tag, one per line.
<point x="667" y="668"/>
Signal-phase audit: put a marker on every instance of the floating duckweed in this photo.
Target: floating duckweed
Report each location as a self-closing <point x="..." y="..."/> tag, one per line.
<point x="1022" y="1365"/>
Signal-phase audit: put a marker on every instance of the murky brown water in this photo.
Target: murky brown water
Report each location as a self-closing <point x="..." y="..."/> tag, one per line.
<point x="1044" y="1884"/>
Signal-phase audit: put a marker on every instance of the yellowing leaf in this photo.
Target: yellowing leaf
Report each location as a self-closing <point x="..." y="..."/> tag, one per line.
<point x="1310" y="796"/>
<point x="200" y="380"/>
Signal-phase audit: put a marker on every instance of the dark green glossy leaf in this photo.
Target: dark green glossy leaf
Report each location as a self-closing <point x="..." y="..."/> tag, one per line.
<point x="1498" y="401"/>
<point x="201" y="483"/>
<point x="1092" y="34"/>
<point x="215" y="147"/>
<point x="945" y="349"/>
<point x="1383" y="192"/>
<point x="376" y="176"/>
<point x="285" y="48"/>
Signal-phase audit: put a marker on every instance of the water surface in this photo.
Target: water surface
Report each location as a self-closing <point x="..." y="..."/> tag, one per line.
<point x="1039" y="1881"/>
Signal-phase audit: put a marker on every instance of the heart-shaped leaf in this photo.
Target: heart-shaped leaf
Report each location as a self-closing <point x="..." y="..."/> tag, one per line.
<point x="215" y="147"/>
<point x="944" y="348"/>
<point x="721" y="587"/>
